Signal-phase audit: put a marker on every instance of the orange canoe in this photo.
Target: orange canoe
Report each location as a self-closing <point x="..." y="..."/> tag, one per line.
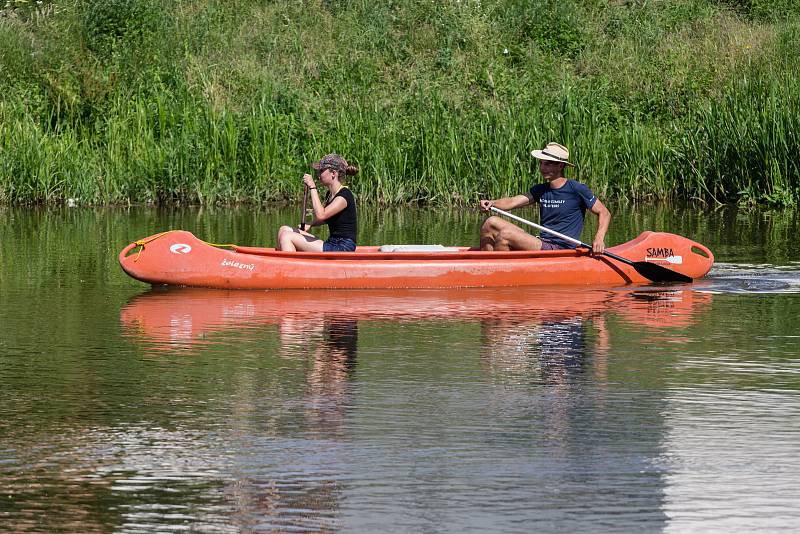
<point x="179" y="258"/>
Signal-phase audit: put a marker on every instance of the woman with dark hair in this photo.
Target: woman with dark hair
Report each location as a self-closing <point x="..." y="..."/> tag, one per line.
<point x="338" y="211"/>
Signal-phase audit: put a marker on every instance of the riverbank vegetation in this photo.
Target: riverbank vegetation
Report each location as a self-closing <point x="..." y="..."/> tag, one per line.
<point x="438" y="101"/>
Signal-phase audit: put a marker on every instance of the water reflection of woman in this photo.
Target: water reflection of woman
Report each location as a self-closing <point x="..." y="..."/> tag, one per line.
<point x="333" y="363"/>
<point x="331" y="346"/>
<point x="307" y="498"/>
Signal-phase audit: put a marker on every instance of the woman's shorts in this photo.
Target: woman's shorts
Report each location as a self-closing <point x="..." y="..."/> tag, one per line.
<point x="338" y="244"/>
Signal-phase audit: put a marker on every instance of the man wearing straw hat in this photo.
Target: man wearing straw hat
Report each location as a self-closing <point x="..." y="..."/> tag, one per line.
<point x="562" y="206"/>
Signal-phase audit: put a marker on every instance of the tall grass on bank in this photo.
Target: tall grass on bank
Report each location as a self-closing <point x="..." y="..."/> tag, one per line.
<point x="747" y="143"/>
<point x="165" y="151"/>
<point x="208" y="102"/>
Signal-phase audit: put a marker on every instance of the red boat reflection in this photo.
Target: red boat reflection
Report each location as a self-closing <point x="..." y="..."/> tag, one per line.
<point x="183" y="316"/>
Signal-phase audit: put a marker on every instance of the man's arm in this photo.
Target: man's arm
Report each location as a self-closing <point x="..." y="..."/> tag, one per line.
<point x="604" y="219"/>
<point x="507" y="203"/>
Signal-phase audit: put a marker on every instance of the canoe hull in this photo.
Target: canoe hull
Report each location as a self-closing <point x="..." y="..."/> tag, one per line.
<point x="179" y="258"/>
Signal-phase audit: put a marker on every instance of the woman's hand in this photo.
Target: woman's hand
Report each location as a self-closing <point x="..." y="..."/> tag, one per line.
<point x="485" y="205"/>
<point x="309" y="181"/>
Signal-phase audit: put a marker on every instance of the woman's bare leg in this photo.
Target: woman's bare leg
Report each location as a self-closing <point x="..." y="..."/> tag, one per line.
<point x="292" y="239"/>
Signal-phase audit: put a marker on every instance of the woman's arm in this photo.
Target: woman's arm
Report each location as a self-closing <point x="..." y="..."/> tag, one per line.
<point x="322" y="212"/>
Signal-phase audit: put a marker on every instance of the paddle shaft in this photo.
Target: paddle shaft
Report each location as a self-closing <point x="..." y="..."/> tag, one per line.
<point x="562" y="236"/>
<point x="542" y="228"/>
<point x="303" y="213"/>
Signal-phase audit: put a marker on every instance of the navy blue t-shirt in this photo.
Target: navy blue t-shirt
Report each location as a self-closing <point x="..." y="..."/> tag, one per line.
<point x="563" y="209"/>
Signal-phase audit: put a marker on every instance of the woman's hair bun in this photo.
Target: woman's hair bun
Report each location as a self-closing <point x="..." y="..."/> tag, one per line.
<point x="351" y="170"/>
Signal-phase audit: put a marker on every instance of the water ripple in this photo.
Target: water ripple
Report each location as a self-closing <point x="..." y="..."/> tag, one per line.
<point x="753" y="278"/>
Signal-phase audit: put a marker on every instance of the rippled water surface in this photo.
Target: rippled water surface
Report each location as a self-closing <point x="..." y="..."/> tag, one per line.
<point x="128" y="408"/>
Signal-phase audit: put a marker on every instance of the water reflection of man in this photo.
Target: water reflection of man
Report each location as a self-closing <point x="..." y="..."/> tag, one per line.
<point x="556" y="350"/>
<point x="585" y="441"/>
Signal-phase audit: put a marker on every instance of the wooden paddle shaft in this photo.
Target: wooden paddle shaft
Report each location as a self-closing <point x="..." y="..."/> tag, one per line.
<point x="303" y="213"/>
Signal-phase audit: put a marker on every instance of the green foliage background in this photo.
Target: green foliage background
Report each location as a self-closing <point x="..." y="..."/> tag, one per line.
<point x="440" y="101"/>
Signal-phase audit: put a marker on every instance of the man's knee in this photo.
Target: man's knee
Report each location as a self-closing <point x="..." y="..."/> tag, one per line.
<point x="491" y="225"/>
<point x="493" y="222"/>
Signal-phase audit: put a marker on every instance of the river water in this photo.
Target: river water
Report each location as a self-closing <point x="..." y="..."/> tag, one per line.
<point x="127" y="408"/>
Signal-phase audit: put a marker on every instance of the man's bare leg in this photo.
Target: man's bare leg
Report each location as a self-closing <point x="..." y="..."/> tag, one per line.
<point x="499" y="234"/>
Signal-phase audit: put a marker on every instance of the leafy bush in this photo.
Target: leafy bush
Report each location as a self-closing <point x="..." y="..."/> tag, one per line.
<point x="766" y="10"/>
<point x="111" y="23"/>
<point x="437" y="101"/>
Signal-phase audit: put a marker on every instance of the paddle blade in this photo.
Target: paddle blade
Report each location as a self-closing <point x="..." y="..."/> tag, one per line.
<point x="657" y="273"/>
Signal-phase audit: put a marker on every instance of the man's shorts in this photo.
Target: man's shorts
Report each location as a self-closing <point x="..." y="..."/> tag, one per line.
<point x="551" y="245"/>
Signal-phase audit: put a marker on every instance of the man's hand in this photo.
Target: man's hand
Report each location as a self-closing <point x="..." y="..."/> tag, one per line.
<point x="603" y="220"/>
<point x="485" y="205"/>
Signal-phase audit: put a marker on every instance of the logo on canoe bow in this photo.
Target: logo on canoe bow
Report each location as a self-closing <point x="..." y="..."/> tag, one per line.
<point x="663" y="255"/>
<point x="180" y="248"/>
<point x="238" y="265"/>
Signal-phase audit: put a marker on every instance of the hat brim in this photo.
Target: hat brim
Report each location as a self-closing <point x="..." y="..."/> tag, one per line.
<point x="538" y="154"/>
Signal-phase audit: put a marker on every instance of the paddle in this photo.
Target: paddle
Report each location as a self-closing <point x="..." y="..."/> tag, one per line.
<point x="651" y="271"/>
<point x="303" y="213"/>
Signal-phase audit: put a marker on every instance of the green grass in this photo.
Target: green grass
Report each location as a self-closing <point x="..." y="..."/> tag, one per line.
<point x="168" y="101"/>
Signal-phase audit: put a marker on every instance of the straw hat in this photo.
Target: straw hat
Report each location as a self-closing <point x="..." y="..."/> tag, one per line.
<point x="553" y="152"/>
